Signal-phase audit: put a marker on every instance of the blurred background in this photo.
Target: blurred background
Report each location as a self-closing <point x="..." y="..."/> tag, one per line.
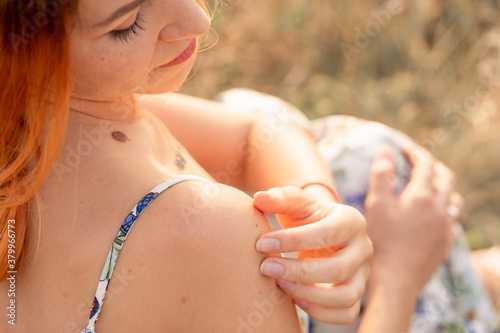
<point x="430" y="68"/>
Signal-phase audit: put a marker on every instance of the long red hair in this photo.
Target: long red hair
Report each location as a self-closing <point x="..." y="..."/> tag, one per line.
<point x="35" y="86"/>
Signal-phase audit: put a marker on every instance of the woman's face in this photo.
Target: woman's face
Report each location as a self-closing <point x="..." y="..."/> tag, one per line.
<point x="133" y="46"/>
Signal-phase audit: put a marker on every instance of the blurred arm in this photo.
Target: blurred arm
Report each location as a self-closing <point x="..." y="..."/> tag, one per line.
<point x="411" y="237"/>
<point x="240" y="149"/>
<point x="390" y="304"/>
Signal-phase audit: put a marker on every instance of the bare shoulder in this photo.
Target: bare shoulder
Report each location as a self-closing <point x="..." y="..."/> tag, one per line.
<point x="191" y="266"/>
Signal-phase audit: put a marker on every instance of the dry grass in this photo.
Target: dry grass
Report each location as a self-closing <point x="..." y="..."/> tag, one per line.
<point x="419" y="72"/>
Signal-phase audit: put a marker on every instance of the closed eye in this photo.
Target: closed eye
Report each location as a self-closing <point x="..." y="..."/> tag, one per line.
<point x="126" y="35"/>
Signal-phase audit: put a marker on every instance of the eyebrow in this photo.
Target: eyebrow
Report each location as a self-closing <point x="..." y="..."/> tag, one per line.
<point x="119" y="13"/>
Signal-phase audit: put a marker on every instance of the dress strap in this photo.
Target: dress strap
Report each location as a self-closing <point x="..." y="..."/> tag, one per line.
<point x="120" y="238"/>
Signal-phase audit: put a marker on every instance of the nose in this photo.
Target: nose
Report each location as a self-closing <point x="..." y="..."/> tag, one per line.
<point x="185" y="19"/>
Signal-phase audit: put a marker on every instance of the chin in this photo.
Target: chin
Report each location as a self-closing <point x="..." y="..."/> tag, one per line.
<point x="161" y="81"/>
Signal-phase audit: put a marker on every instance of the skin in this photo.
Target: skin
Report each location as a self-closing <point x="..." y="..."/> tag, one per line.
<point x="398" y="272"/>
<point x="291" y="158"/>
<point x="107" y="74"/>
<point x="169" y="27"/>
<point x="487" y="263"/>
<point x="184" y="263"/>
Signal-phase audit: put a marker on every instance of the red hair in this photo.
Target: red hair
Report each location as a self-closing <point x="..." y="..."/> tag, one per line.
<point x="34" y="95"/>
<point x="35" y="69"/>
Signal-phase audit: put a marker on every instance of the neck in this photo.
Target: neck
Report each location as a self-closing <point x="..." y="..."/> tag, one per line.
<point x="122" y="108"/>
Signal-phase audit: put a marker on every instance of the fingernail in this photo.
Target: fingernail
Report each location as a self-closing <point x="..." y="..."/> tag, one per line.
<point x="287" y="286"/>
<point x="386" y="152"/>
<point x="268" y="245"/>
<point x="302" y="304"/>
<point x="272" y="269"/>
<point x="258" y="194"/>
<point x="274" y="193"/>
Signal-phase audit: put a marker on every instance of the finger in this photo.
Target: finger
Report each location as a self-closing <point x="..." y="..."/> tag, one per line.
<point x="342" y="225"/>
<point x="422" y="175"/>
<point x="444" y="183"/>
<point x="335" y="269"/>
<point x="383" y="172"/>
<point x="413" y="152"/>
<point x="457" y="200"/>
<point x="330" y="315"/>
<point x="343" y="295"/>
<point x="283" y="200"/>
<point x="454" y="233"/>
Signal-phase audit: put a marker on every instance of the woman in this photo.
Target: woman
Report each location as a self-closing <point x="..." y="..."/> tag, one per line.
<point x="78" y="150"/>
<point x="70" y="176"/>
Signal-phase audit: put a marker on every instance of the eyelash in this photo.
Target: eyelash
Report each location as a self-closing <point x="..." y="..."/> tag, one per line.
<point x="126" y="35"/>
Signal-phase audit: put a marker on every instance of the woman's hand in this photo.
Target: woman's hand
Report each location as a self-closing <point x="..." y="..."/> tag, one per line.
<point x="331" y="241"/>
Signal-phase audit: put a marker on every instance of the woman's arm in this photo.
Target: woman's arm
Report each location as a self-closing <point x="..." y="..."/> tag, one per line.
<point x="254" y="153"/>
<point x="244" y="150"/>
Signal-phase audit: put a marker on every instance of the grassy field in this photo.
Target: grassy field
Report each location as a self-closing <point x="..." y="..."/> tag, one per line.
<point x="429" y="68"/>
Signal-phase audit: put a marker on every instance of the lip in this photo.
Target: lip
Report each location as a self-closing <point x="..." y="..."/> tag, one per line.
<point x="184" y="56"/>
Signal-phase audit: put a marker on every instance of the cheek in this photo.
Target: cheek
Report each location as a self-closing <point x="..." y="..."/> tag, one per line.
<point x="122" y="66"/>
<point x="111" y="72"/>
